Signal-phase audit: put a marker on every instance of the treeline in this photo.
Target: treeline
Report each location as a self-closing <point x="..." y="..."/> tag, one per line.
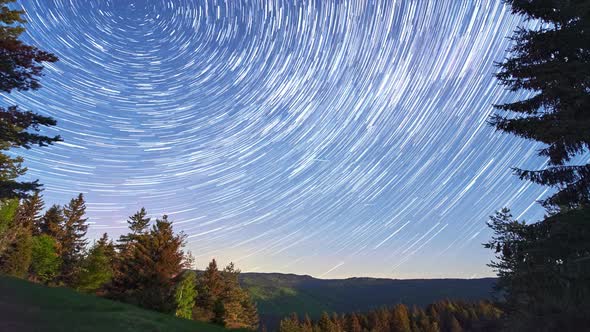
<point x="442" y="316"/>
<point x="147" y="267"/>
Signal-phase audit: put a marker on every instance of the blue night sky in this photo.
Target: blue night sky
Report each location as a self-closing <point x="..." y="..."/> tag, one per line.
<point x="334" y="138"/>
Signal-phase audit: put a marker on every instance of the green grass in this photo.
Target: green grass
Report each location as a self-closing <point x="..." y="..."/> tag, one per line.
<point x="28" y="307"/>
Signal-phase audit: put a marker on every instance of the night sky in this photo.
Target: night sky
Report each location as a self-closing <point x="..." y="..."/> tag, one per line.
<point x="333" y="138"/>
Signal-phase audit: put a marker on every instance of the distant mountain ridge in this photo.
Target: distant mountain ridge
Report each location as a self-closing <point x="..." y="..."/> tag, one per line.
<point x="279" y="295"/>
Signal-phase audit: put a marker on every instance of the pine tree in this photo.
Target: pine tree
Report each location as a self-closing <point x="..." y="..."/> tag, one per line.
<point x="29" y="213"/>
<point x="353" y="324"/>
<point x="290" y="324"/>
<point x="427" y="321"/>
<point x="139" y="222"/>
<point x="325" y="324"/>
<point x="507" y="242"/>
<point x="240" y="310"/>
<point x="232" y="297"/>
<point x="52" y="223"/>
<point x="108" y="248"/>
<point x="249" y="317"/>
<point x="338" y="325"/>
<point x="185" y="295"/>
<point x="401" y="319"/>
<point x="544" y="267"/>
<point x="553" y="62"/>
<point x="73" y="242"/>
<point x="220" y="292"/>
<point x="210" y="289"/>
<point x="543" y="270"/>
<point x="376" y="322"/>
<point x="125" y="275"/>
<point x="96" y="268"/>
<point x="21" y="65"/>
<point x="165" y="250"/>
<point x="150" y="269"/>
<point x="138" y="225"/>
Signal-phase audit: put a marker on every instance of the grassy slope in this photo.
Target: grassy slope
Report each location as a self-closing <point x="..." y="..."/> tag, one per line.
<point x="30" y="307"/>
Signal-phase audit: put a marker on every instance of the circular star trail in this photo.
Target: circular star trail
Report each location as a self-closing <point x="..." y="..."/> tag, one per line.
<point x="332" y="138"/>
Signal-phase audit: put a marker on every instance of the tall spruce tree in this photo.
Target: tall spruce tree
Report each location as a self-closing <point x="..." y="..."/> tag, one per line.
<point x="21" y="66"/>
<point x="73" y="240"/>
<point x="139" y="222"/>
<point x="52" y="223"/>
<point x="125" y="275"/>
<point x="232" y="297"/>
<point x="29" y="213"/>
<point x="544" y="267"/>
<point x="553" y="62"/>
<point x="240" y="310"/>
<point x="210" y="289"/>
<point x="164" y="260"/>
<point x="138" y="225"/>
<point x="147" y="274"/>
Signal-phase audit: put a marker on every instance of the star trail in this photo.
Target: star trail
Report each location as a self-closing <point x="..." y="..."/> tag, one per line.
<point x="334" y="137"/>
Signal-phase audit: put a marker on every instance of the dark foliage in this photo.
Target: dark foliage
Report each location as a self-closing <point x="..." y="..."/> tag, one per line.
<point x="544" y="267"/>
<point x="544" y="270"/>
<point x="552" y="61"/>
<point x="21" y="66"/>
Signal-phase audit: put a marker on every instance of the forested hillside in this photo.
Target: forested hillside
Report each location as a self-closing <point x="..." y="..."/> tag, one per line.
<point x="278" y="295"/>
